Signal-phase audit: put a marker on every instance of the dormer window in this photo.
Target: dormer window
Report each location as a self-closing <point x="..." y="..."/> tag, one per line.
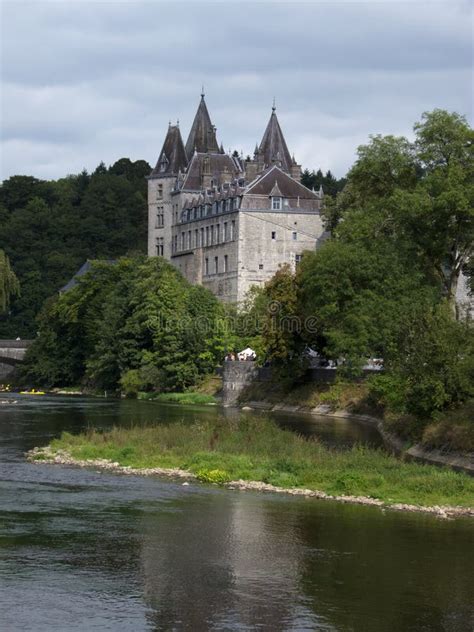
<point x="163" y="163"/>
<point x="276" y="203"/>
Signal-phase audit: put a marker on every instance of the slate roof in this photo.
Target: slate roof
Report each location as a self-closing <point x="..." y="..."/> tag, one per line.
<point x="172" y="157"/>
<point x="288" y="186"/>
<point x="273" y="147"/>
<point x="216" y="164"/>
<point x="202" y="137"/>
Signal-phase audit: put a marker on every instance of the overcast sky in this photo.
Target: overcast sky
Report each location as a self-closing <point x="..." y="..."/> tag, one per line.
<point x="89" y="81"/>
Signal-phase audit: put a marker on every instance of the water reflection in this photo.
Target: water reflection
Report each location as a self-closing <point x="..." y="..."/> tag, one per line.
<point x="223" y="563"/>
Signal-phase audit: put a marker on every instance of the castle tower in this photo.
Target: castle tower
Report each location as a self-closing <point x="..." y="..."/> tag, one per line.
<point x="171" y="162"/>
<point x="273" y="149"/>
<point x="202" y="137"/>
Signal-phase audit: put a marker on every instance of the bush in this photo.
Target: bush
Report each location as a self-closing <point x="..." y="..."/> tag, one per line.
<point x="131" y="383"/>
<point x="219" y="477"/>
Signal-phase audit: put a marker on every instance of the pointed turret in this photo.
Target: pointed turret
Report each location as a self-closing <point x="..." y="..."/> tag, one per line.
<point x="273" y="147"/>
<point x="172" y="157"/>
<point x="202" y="136"/>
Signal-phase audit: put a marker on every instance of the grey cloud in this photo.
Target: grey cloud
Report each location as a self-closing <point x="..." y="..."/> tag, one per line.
<point x="101" y="80"/>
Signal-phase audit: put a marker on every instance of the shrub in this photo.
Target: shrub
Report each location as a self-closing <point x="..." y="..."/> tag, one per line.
<point x="219" y="477"/>
<point x="131" y="383"/>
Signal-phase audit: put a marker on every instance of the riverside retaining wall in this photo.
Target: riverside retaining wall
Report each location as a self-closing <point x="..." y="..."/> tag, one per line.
<point x="236" y="376"/>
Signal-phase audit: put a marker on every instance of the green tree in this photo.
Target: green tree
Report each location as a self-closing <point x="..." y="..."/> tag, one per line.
<point x="432" y="366"/>
<point x="135" y="321"/>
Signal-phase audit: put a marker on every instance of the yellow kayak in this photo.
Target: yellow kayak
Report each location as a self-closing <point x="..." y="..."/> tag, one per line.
<point x="32" y="392"/>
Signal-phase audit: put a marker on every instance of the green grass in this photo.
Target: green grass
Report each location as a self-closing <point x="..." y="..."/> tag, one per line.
<point x="257" y="449"/>
<point x="179" y="398"/>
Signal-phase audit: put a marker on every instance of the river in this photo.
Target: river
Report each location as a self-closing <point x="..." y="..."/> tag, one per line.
<point x="83" y="550"/>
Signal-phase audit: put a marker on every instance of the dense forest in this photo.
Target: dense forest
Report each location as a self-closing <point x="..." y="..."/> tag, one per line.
<point x="48" y="229"/>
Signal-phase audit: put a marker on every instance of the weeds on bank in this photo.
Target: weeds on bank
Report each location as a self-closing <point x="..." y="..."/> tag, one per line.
<point x="180" y="398"/>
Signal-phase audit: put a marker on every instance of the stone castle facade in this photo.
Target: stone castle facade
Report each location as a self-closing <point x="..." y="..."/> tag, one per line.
<point x="225" y="222"/>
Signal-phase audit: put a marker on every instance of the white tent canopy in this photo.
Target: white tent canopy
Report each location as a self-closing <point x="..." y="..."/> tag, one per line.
<point x="247" y="354"/>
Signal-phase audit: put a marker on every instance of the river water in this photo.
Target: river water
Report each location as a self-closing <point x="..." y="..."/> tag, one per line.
<point x="83" y="550"/>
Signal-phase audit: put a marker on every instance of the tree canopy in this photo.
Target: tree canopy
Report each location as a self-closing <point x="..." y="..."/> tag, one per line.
<point x="135" y="323"/>
<point x="49" y="229"/>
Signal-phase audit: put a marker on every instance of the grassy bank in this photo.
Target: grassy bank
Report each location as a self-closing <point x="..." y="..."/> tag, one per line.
<point x="351" y="396"/>
<point x="258" y="450"/>
<point x="179" y="398"/>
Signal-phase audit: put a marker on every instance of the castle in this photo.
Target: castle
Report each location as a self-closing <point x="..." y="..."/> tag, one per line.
<point x="228" y="223"/>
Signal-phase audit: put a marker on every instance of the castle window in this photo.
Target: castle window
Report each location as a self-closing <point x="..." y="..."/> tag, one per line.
<point x="236" y="203"/>
<point x="196" y="238"/>
<point x="159" y="192"/>
<point x="226" y="263"/>
<point x="216" y="207"/>
<point x="294" y="235"/>
<point x="298" y="259"/>
<point x="274" y="235"/>
<point x="212" y="233"/>
<point x="276" y="203"/>
<point x="183" y="237"/>
<point x="260" y="266"/>
<point x="202" y="237"/>
<point x="159" y="217"/>
<point x="232" y="230"/>
<point x="216" y="265"/>
<point x="218" y="230"/>
<point x="225" y="231"/>
<point x="207" y="266"/>
<point x="207" y="235"/>
<point x="159" y="246"/>
<point x="190" y="245"/>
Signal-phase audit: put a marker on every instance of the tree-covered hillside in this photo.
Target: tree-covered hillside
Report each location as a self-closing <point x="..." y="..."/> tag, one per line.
<point x="49" y="228"/>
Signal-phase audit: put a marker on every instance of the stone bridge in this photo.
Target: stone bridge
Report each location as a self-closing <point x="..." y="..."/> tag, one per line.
<point x="11" y="353"/>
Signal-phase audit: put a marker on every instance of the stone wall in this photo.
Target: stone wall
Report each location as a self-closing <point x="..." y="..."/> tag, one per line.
<point x="236" y="377"/>
<point x="267" y="240"/>
<point x="6" y="370"/>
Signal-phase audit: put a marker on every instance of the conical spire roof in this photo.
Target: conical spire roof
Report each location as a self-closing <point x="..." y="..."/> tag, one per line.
<point x="273" y="146"/>
<point x="202" y="137"/>
<point x="172" y="157"/>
